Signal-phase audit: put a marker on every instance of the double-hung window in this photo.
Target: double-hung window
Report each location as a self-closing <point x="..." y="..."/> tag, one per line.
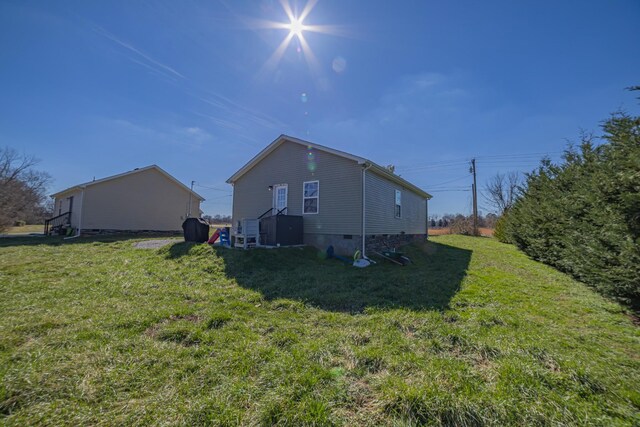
<point x="310" y="197"/>
<point x="398" y="206"/>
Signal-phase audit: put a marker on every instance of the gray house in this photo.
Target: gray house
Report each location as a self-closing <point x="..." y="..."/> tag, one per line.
<point x="344" y="200"/>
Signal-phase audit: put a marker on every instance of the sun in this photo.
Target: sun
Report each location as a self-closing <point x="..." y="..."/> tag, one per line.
<point x="296" y="27"/>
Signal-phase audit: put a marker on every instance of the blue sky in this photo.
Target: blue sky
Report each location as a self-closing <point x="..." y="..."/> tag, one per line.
<point x="98" y="88"/>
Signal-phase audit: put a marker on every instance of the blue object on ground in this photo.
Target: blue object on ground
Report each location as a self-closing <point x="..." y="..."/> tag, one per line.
<point x="331" y="254"/>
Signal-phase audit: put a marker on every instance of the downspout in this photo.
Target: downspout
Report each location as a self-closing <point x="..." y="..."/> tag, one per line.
<point x="79" y="216"/>
<point x="364" y="204"/>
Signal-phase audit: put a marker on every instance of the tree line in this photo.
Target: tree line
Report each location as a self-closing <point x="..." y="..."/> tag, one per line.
<point x="458" y="220"/>
<point x="582" y="216"/>
<point x="22" y="190"/>
<point x="217" y="219"/>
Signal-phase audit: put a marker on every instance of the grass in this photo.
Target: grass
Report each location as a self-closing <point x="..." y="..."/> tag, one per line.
<point x="36" y="228"/>
<point x="486" y="232"/>
<point x="96" y="332"/>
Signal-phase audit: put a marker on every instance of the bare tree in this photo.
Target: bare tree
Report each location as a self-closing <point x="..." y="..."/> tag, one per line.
<point x="22" y="189"/>
<point x="501" y="191"/>
<point x="462" y="225"/>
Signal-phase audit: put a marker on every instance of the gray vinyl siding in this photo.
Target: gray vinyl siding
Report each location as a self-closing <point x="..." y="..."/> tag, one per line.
<point x="380" y="205"/>
<point x="340" y="203"/>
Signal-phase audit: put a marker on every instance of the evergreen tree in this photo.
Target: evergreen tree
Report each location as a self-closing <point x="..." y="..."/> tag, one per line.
<point x="583" y="216"/>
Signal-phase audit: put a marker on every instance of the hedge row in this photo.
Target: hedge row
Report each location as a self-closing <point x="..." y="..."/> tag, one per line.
<point x="583" y="216"/>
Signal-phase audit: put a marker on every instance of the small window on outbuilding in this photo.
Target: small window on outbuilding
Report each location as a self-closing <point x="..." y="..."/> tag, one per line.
<point x="311" y="197"/>
<point x="398" y="205"/>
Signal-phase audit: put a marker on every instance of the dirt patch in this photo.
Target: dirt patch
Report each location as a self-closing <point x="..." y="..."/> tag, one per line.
<point x="152" y="331"/>
<point x="155" y="244"/>
<point x="189" y="317"/>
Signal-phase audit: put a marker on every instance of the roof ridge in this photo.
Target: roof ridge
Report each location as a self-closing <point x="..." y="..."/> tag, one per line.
<point x="120" y="175"/>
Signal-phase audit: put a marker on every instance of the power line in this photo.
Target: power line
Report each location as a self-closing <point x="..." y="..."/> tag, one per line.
<point x="509" y="162"/>
<point x="548" y="153"/>
<point x="212" y="188"/>
<point x="220" y="197"/>
<point x="447" y="191"/>
<point x="441" y="162"/>
<point x="432" y="166"/>
<point x="453" y="187"/>
<point x="447" y="182"/>
<point x="500" y="161"/>
<point x="491" y="158"/>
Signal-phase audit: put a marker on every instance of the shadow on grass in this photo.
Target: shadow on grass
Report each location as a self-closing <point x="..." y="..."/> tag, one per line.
<point x="60" y="240"/>
<point x="180" y="249"/>
<point x="303" y="274"/>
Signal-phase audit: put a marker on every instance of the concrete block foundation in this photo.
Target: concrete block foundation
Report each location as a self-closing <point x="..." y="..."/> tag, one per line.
<point x="380" y="242"/>
<point x="343" y="244"/>
<point x="346" y="245"/>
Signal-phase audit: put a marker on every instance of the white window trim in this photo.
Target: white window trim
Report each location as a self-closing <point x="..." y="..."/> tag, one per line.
<point x="315" y="197"/>
<point x="395" y="194"/>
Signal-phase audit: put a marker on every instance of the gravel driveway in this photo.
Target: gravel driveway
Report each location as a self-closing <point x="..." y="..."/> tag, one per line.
<point x="155" y="244"/>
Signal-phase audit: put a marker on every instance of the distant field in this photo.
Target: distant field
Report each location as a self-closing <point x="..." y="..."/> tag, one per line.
<point x="25" y="229"/>
<point x="214" y="226"/>
<point x="473" y="333"/>
<point x="446" y="230"/>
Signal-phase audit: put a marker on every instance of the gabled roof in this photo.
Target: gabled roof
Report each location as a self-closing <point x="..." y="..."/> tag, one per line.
<point x="380" y="170"/>
<point x="120" y="175"/>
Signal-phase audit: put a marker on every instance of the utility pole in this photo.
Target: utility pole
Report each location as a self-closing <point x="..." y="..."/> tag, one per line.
<point x="189" y="207"/>
<point x="475" y="198"/>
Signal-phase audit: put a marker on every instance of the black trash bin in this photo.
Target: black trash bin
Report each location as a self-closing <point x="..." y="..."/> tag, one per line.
<point x="195" y="230"/>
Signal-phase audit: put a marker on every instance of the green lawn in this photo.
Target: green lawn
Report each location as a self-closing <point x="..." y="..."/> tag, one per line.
<point x="473" y="333"/>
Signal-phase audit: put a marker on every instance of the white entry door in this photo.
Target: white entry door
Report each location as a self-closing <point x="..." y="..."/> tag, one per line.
<point x="280" y="193"/>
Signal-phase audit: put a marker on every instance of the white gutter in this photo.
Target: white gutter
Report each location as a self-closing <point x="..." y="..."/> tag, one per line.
<point x="364" y="204"/>
<point x="80" y="216"/>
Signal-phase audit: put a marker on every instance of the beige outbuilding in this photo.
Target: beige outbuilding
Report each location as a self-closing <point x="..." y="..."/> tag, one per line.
<point x="144" y="199"/>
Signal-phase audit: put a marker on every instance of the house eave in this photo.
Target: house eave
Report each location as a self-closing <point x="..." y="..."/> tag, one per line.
<point x="67" y="191"/>
<point x="386" y="173"/>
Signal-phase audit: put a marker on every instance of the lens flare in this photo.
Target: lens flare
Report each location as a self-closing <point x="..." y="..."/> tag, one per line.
<point x="339" y="64"/>
<point x="311" y="159"/>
